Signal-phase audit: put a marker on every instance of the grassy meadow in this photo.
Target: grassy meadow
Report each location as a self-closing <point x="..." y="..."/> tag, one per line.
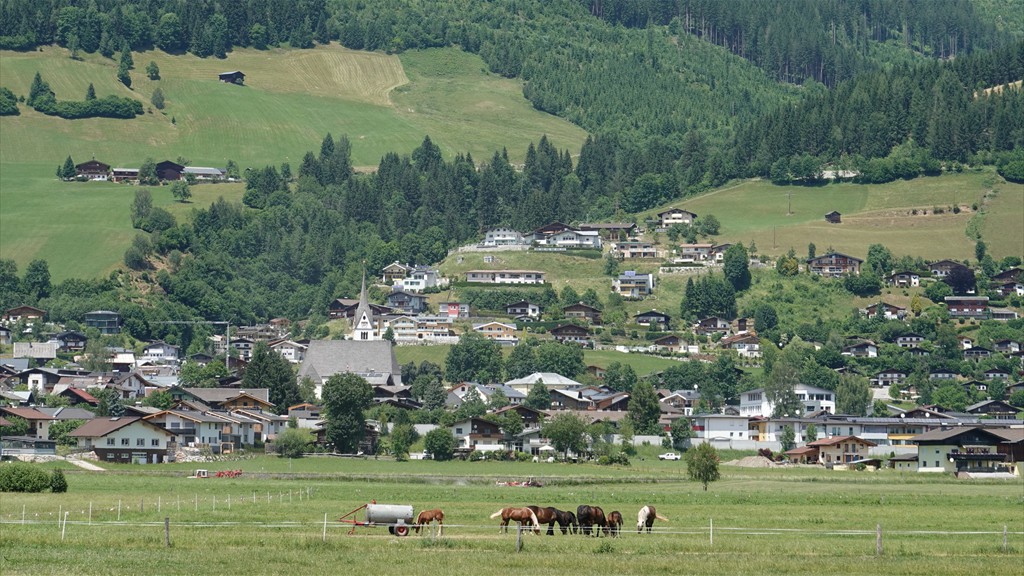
<point x="813" y="521"/>
<point x="291" y="99"/>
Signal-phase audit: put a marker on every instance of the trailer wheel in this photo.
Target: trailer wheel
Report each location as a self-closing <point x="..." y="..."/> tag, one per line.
<point x="391" y="529"/>
<point x="401" y="530"/>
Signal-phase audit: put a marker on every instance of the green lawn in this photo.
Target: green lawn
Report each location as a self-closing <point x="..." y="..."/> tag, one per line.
<point x="291" y="99"/>
<point x="814" y="521"/>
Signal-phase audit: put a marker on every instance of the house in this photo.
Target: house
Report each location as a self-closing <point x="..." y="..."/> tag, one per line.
<point x="227" y="398"/>
<point x="1003" y="314"/>
<point x="38" y="422"/>
<point x="812" y="399"/>
<point x="674" y="216"/>
<point x="232" y="77"/>
<point x="17" y="446"/>
<point x="1011" y="288"/>
<point x="1006" y="346"/>
<point x="570" y="399"/>
<point x="290" y="350"/>
<point x="903" y="279"/>
<point x="685" y="400"/>
<point x="436" y="329"/>
<point x="505" y="276"/>
<point x="861" y="349"/>
<point x="503" y="237"/>
<point x="942" y="375"/>
<point x="5" y="336"/>
<point x="407" y="302"/>
<point x="124" y="174"/>
<point x="581" y="311"/>
<point x="124" y="439"/>
<point x="834" y="265"/>
<point x="746" y="344"/>
<point x="572" y="239"/>
<point x="977" y="353"/>
<point x="244" y="347"/>
<point x="204" y="173"/>
<point x="803" y="455"/>
<point x="967" y="307"/>
<point x="346" y="308"/>
<point x="540" y="235"/>
<point x="997" y="409"/>
<point x="969" y="449"/>
<point x="943" y="268"/>
<point x="168" y="170"/>
<point x="885" y="310"/>
<point x="834" y="217"/>
<point x="530" y="416"/>
<point x="420" y="278"/>
<point x="500" y="332"/>
<point x="373" y="360"/>
<point x="719" y="429"/>
<point x="888" y="378"/>
<point x="634" y="285"/>
<point x="1014" y="273"/>
<point x="266" y="425"/>
<point x="906" y="462"/>
<point x="694" y="252"/>
<point x="571" y="333"/>
<point x="841" y="449"/>
<point x="966" y="342"/>
<point x="610" y="229"/>
<point x="522" y="309"/>
<point x="671" y="344"/>
<point x="453" y="309"/>
<point x="394" y="272"/>
<point x="659" y="320"/>
<point x="192" y="427"/>
<point x="161" y="352"/>
<point x="478" y="434"/>
<point x="70" y="340"/>
<point x="306" y="415"/>
<point x="77" y="396"/>
<point x="634" y="249"/>
<point x="92" y="170"/>
<point x="20" y="313"/>
<point x="711" y="325"/>
<point x="911" y="340"/>
<point x="106" y="321"/>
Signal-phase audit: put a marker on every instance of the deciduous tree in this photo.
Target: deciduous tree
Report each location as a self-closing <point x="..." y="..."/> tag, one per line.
<point x="345" y="396"/>
<point x="702" y="464"/>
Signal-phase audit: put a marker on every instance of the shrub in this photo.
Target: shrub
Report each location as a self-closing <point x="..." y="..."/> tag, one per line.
<point x="23" y="477"/>
<point x="58" y="483"/>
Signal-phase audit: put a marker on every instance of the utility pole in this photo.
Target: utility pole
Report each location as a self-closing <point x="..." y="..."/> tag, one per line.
<point x="227" y="335"/>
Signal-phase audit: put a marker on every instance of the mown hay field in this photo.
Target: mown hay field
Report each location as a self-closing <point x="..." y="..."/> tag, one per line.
<point x="779" y="521"/>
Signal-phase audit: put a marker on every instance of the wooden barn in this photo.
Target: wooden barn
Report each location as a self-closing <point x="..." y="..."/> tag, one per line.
<point x="834" y="217"/>
<point x="233" y="77"/>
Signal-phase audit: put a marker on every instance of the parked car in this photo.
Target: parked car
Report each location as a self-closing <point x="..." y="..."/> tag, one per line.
<point x="668" y="456"/>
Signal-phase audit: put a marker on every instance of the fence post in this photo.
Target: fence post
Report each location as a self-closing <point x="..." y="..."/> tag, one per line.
<point x="65" y="526"/>
<point x="325" y="527"/>
<point x="711" y="531"/>
<point x="167" y="531"/>
<point x="159" y="503"/>
<point x="90" y="513"/>
<point x="118" y="509"/>
<point x="60" y="512"/>
<point x="1004" y="538"/>
<point x="878" y="540"/>
<point x="519" y="537"/>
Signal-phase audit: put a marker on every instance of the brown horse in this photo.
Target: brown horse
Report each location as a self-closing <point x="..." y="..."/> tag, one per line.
<point x="591" y="516"/>
<point x="521" y="515"/>
<point x="550" y="515"/>
<point x="646" y="518"/>
<point x="614" y="523"/>
<point x="428" y="516"/>
<point x="545" y="516"/>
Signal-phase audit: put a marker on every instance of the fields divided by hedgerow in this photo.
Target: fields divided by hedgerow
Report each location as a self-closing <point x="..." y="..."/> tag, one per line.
<point x="813" y="521"/>
<point x="291" y="99"/>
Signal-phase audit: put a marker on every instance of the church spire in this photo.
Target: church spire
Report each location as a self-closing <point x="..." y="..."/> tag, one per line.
<point x="363" y="323"/>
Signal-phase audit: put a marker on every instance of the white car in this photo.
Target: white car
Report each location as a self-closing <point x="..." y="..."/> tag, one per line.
<point x="668" y="456"/>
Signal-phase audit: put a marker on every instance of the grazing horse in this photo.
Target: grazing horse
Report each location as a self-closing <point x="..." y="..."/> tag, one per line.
<point x="591" y="516"/>
<point x="521" y="515"/>
<point x="546" y="516"/>
<point x="566" y="521"/>
<point x="428" y="516"/>
<point x="646" y="517"/>
<point x="614" y="523"/>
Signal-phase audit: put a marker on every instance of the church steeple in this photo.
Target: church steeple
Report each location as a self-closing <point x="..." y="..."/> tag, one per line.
<point x="363" y="323"/>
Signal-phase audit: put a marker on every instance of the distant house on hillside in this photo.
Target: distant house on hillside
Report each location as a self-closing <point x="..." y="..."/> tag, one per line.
<point x="93" y="170"/>
<point x="168" y="170"/>
<point x="834" y="217"/>
<point x="233" y="77"/>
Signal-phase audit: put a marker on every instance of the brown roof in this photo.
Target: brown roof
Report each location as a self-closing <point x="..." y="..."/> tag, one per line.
<point x="802" y="450"/>
<point x="98" y="427"/>
<point x="27" y="413"/>
<point x="839" y="440"/>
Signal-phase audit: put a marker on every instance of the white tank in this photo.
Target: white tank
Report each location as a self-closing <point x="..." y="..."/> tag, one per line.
<point x="388" y="514"/>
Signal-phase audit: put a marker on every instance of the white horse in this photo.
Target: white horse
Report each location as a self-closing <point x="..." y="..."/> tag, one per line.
<point x="646" y="518"/>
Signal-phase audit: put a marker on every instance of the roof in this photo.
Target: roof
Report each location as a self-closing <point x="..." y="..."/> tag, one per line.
<point x="219" y="395"/>
<point x="67" y="413"/>
<point x="1003" y="434"/>
<point x="676" y="210"/>
<point x="27" y="413"/>
<point x="325" y="358"/>
<point x="831" y="254"/>
<point x="203" y="171"/>
<point x="549" y="378"/>
<point x="839" y="440"/>
<point x="905" y="457"/>
<point x="98" y="427"/>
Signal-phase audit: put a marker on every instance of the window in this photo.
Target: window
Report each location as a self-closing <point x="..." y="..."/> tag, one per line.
<point x="458" y="430"/>
<point x="124" y="441"/>
<point x="155" y="442"/>
<point x="110" y="441"/>
<point x="140" y="441"/>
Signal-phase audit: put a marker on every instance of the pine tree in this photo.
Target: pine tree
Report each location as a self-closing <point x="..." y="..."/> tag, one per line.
<point x="90" y="92"/>
<point x="67" y="171"/>
<point x="126" y="61"/>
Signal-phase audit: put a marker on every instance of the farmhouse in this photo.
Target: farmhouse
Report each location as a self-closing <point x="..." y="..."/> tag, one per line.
<point x="969" y="449"/>
<point x="203" y="173"/>
<point x="834" y="265"/>
<point x="943" y="268"/>
<point x="168" y="170"/>
<point x="124" y="174"/>
<point x="124" y="439"/>
<point x="571" y="333"/>
<point x="581" y="311"/>
<point x="670" y="343"/>
<point x="968" y="307"/>
<point x="232" y="77"/>
<point x="885" y="310"/>
<point x="92" y="170"/>
<point x="394" y="272"/>
<point x="26" y="313"/>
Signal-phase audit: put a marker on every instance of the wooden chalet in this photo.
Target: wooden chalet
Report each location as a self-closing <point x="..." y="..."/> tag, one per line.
<point x="834" y="217"/>
<point x="232" y="77"/>
<point x="93" y="170"/>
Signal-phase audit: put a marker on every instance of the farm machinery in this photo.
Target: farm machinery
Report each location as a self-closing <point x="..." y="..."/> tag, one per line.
<point x="398" y="518"/>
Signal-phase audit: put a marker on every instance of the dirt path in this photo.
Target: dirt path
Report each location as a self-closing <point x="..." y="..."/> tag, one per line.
<point x="83" y="464"/>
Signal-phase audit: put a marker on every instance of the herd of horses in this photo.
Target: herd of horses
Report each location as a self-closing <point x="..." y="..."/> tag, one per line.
<point x="588" y="520"/>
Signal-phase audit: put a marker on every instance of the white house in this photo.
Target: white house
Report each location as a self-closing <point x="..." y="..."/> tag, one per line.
<point x="812" y="399"/>
<point x="503" y="237"/>
<point x="505" y="276"/>
<point x="573" y="239"/>
<point x="124" y="439"/>
<point x="675" y="216"/>
<point x="161" y="352"/>
<point x="290" y="351"/>
<point x="420" y="278"/>
<point x="718" y="428"/>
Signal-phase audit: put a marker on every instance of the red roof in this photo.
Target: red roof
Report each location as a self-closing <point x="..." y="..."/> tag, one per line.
<point x="27" y="413"/>
<point x="83" y="395"/>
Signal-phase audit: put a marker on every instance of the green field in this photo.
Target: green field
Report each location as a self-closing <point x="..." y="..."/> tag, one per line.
<point x="291" y="100"/>
<point x="757" y="210"/>
<point x="811" y="520"/>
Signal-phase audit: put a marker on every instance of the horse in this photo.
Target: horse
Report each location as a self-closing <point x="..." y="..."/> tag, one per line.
<point x="566" y="521"/>
<point x="591" y="516"/>
<point x="614" y="523"/>
<point x="428" y="516"/>
<point x="646" y="517"/>
<point x="546" y="516"/>
<point x="521" y="515"/>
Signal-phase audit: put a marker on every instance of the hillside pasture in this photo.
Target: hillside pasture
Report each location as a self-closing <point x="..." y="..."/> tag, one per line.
<point x="815" y="521"/>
